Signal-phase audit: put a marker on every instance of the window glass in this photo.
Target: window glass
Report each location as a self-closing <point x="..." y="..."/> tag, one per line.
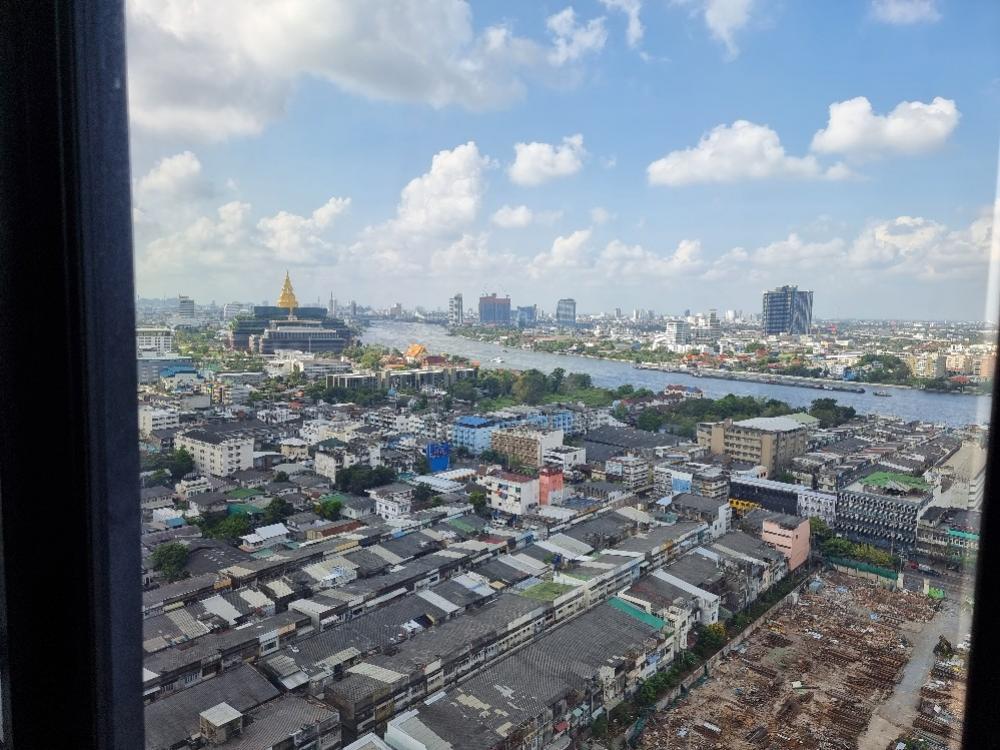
<point x="518" y="375"/>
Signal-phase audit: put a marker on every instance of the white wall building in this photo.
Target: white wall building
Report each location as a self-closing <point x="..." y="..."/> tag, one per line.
<point x="159" y="339"/>
<point x="151" y="418"/>
<point x="217" y="454"/>
<point x="511" y="493"/>
<point x="393" y="500"/>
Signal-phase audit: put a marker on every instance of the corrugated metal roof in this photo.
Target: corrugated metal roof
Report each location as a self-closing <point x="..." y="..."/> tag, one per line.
<point x="633" y="611"/>
<point x="376" y="672"/>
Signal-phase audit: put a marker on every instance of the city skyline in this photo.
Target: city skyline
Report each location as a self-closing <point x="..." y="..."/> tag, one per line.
<point x="653" y="152"/>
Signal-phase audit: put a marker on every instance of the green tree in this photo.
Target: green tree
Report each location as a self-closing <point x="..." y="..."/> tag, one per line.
<point x="710" y="639"/>
<point x="446" y="403"/>
<point x="371" y="358"/>
<point x="837" y="547"/>
<point x="650" y="420"/>
<point x="647" y="694"/>
<point x="600" y="726"/>
<point x="819" y="529"/>
<point x="831" y="414"/>
<point x="477" y="498"/>
<point x="180" y="463"/>
<point x="463" y="390"/>
<point x="356" y="479"/>
<point x="490" y="456"/>
<point x="229" y="528"/>
<point x="422" y="493"/>
<point x="578" y="381"/>
<point x="530" y="387"/>
<point x="170" y="559"/>
<point x="280" y="476"/>
<point x="556" y="379"/>
<point x="329" y="508"/>
<point x="276" y="511"/>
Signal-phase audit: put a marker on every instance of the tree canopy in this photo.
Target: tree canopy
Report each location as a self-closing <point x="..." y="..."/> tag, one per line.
<point x="170" y="559"/>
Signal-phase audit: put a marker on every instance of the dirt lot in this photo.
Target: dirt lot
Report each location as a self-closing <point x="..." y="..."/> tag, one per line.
<point x="810" y="678"/>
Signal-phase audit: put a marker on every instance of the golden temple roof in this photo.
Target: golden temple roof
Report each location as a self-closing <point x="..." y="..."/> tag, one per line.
<point x="287" y="298"/>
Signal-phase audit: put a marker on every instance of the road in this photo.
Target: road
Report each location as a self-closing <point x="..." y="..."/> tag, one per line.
<point x="896" y="715"/>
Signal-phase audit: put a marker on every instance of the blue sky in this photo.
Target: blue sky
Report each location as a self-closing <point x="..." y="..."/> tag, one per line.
<point x="731" y="146"/>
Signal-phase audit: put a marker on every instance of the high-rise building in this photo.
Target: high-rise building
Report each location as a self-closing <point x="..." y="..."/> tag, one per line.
<point x="678" y="331"/>
<point x="154" y="339"/>
<point x="527" y="315"/>
<point x="787" y="310"/>
<point x="456" y="314"/>
<point x="566" y="312"/>
<point x="494" y="310"/>
<point x="185" y="307"/>
<point x="231" y="309"/>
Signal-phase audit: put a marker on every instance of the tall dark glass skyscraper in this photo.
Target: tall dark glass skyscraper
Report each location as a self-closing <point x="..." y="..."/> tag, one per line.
<point x="566" y="312"/>
<point x="787" y="310"/>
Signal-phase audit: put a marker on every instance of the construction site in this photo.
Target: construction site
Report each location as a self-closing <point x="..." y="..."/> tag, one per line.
<point x="812" y="676"/>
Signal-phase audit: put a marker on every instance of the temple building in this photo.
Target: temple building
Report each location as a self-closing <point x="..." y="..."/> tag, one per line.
<point x="289" y="326"/>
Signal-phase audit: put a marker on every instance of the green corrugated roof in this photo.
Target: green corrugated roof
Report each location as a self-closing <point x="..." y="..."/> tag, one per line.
<point x="237" y="508"/>
<point x="241" y="492"/>
<point x="461" y="525"/>
<point x="638" y="614"/>
<point x="963" y="534"/>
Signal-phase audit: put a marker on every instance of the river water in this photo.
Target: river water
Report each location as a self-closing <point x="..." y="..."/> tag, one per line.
<point x="951" y="409"/>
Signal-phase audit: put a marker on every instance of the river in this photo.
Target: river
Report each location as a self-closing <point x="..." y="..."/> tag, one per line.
<point x="944" y="408"/>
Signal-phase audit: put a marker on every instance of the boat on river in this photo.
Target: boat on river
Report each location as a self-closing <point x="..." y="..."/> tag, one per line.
<point x="883" y="394"/>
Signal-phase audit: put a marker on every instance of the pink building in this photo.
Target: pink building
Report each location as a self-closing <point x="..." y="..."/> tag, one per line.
<point x="789" y="535"/>
<point x="550" y="485"/>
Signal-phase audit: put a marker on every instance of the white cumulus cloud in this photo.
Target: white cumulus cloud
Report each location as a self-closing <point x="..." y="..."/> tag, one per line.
<point x="724" y="18"/>
<point x="601" y="215"/>
<point x="741" y="151"/>
<point x="572" y="40"/>
<point x="535" y="163"/>
<point x="512" y="217"/>
<point x="436" y="207"/>
<point x="295" y="238"/>
<point x="632" y="263"/>
<point x="631" y="8"/>
<point x="227" y="68"/>
<point x="905" y="12"/>
<point x="448" y="196"/>
<point x="567" y="252"/>
<point x="911" y="127"/>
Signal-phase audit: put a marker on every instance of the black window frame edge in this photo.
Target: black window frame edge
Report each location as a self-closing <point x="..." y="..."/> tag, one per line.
<point x="70" y="624"/>
<point x="981" y="723"/>
<point x="70" y="630"/>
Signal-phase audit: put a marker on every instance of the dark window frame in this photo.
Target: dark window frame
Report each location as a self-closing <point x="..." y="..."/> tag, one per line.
<point x="70" y="624"/>
<point x="70" y="659"/>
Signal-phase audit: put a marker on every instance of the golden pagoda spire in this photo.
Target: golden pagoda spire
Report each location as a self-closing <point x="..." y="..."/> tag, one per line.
<point x="287" y="298"/>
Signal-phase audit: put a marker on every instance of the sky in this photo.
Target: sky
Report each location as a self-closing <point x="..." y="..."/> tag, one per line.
<point x="659" y="154"/>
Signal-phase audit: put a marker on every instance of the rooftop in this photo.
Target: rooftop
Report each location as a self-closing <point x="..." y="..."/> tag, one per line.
<point x="770" y="424"/>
